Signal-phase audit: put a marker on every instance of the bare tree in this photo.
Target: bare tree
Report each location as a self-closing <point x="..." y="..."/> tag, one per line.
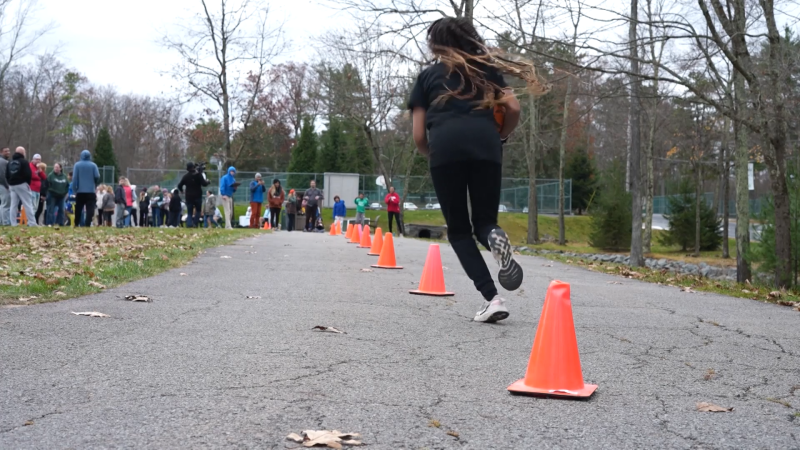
<point x="634" y="141"/>
<point x="222" y="49"/>
<point x="17" y="33"/>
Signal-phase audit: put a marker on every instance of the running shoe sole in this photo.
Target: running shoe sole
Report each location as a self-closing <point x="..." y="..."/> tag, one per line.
<point x="510" y="275"/>
<point x="501" y="313"/>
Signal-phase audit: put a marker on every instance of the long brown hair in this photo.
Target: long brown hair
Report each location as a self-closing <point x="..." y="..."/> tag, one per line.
<point x="456" y="43"/>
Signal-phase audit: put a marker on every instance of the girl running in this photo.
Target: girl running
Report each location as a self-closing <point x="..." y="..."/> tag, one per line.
<point x="453" y="105"/>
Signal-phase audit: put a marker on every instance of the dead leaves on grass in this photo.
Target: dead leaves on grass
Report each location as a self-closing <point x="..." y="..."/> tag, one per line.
<point x="710" y="407"/>
<point x="96" y="284"/>
<point x="91" y="314"/>
<point x="328" y="329"/>
<point x="138" y="298"/>
<point x="325" y="438"/>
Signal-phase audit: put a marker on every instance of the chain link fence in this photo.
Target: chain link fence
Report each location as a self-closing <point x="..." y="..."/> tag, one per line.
<point x="514" y="191"/>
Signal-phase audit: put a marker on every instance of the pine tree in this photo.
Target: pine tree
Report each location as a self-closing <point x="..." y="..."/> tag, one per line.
<point x="681" y="219"/>
<point x="333" y="145"/>
<point x="304" y="157"/>
<point x="104" y="152"/>
<point x="611" y="215"/>
<point x="580" y="169"/>
<point x="359" y="151"/>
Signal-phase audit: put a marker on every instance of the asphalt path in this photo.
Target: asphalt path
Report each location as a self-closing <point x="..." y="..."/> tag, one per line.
<point x="202" y="366"/>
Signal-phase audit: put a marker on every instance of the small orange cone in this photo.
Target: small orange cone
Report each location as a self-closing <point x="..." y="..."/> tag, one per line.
<point x="387" y="259"/>
<point x="349" y="232"/>
<point x="432" y="281"/>
<point x="333" y="229"/>
<point x="266" y="225"/>
<point x="355" y="238"/>
<point x="23" y="218"/>
<point x="554" y="368"/>
<point x="377" y="243"/>
<point x="338" y="228"/>
<point x="366" y="242"/>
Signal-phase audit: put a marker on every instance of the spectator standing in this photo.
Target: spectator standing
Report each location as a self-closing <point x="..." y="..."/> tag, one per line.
<point x="36" y="181"/>
<point x="192" y="185"/>
<point x="291" y="210"/>
<point x="123" y="199"/>
<point x="85" y="177"/>
<point x="392" y="201"/>
<point x="209" y="205"/>
<point x="276" y="196"/>
<point x="155" y="206"/>
<point x="134" y="207"/>
<point x="144" y="207"/>
<point x="58" y="188"/>
<point x="44" y="187"/>
<point x="5" y="194"/>
<point x="311" y="200"/>
<point x="339" y="210"/>
<point x="18" y="176"/>
<point x="108" y="204"/>
<point x="166" y="197"/>
<point x="227" y="186"/>
<point x="257" y="190"/>
<point x="101" y="192"/>
<point x="175" y="209"/>
<point x="361" y="208"/>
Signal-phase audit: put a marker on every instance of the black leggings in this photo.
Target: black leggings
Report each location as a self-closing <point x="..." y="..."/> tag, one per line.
<point x="483" y="180"/>
<point x="311" y="217"/>
<point x="396" y="217"/>
<point x="275" y="218"/>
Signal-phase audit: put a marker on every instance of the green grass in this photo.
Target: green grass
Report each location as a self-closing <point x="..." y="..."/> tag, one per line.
<point x="49" y="264"/>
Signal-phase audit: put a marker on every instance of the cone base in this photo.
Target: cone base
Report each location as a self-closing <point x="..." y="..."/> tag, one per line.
<point x="520" y="388"/>
<point x="386" y="267"/>
<point x="432" y="294"/>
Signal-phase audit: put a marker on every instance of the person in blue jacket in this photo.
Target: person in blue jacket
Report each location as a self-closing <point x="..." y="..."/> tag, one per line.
<point x="227" y="186"/>
<point x="339" y="209"/>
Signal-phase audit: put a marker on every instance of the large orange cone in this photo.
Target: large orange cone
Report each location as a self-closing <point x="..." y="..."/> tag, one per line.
<point x="333" y="229"/>
<point x="355" y="238"/>
<point x="377" y="243"/>
<point x="339" y="228"/>
<point x="432" y="281"/>
<point x="349" y="232"/>
<point x="366" y="242"/>
<point x="554" y="368"/>
<point x="387" y="260"/>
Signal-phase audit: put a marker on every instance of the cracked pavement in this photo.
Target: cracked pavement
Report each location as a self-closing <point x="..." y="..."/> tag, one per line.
<point x="204" y="367"/>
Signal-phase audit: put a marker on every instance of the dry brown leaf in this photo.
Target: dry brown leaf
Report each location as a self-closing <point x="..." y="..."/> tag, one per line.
<point x="28" y="423"/>
<point x="138" y="298"/>
<point x="452" y="433"/>
<point x="96" y="284"/>
<point x="328" y="329"/>
<point x="59" y="293"/>
<point x="91" y="314"/>
<point x="224" y="257"/>
<point x="367" y="270"/>
<point x="745" y="291"/>
<point x="775" y="294"/>
<point x="184" y="274"/>
<point x="710" y="407"/>
<point x="324" y="438"/>
<point x="687" y="289"/>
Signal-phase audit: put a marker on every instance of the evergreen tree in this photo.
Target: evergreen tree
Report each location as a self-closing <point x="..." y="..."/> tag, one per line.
<point x="580" y="169"/>
<point x="333" y="145"/>
<point x="611" y="214"/>
<point x="360" y="153"/>
<point x="104" y="153"/>
<point x="304" y="157"/>
<point x="682" y="222"/>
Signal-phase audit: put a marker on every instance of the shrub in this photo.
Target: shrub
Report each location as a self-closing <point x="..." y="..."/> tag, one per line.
<point x="611" y="214"/>
<point x="682" y="222"/>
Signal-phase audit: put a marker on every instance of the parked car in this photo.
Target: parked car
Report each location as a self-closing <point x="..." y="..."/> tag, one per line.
<point x="525" y="210"/>
<point x="408" y="206"/>
<point x="376" y="206"/>
<point x="502" y="208"/>
<point x="433" y="206"/>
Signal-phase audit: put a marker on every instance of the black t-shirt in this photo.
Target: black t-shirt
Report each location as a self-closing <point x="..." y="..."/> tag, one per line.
<point x="457" y="131"/>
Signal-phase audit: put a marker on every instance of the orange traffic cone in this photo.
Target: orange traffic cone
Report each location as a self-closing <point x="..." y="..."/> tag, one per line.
<point x="23" y="218"/>
<point x="432" y="281"/>
<point x="355" y="238"/>
<point x="349" y="232"/>
<point x="377" y="243"/>
<point x="266" y="225"/>
<point x="338" y="228"/>
<point x="387" y="260"/>
<point x="554" y="368"/>
<point x="366" y="242"/>
<point x="333" y="229"/>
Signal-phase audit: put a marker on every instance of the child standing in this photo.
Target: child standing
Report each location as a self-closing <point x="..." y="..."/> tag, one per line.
<point x="339" y="210"/>
<point x="452" y="106"/>
<point x="361" y="208"/>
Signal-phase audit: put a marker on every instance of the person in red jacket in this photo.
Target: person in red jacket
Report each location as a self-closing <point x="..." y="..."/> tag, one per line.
<point x="392" y="201"/>
<point x="36" y="179"/>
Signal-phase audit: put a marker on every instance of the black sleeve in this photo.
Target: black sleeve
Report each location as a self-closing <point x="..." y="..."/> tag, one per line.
<point x="182" y="183"/>
<point x="418" y="97"/>
<point x="27" y="174"/>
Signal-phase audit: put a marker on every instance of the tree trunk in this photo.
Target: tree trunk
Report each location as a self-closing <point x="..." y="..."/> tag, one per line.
<point x="742" y="187"/>
<point x="636" y="259"/>
<point x="724" y="196"/>
<point x="530" y="155"/>
<point x="780" y="192"/>
<point x="562" y="239"/>
<point x="698" y="197"/>
<point x="647" y="233"/>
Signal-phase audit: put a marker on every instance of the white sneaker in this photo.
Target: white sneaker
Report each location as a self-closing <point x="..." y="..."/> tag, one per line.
<point x="495" y="310"/>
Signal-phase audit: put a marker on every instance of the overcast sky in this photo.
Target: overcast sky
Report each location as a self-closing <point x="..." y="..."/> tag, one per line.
<point x="115" y="42"/>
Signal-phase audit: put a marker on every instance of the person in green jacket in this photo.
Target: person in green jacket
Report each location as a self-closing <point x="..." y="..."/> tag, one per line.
<point x="361" y="208"/>
<point x="55" y="211"/>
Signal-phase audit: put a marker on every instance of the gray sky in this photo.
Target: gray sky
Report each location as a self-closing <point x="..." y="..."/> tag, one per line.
<point x="115" y="42"/>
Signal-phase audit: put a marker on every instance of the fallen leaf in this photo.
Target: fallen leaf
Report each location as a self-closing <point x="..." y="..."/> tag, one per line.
<point x="547" y="265"/>
<point x="452" y="433"/>
<point x="687" y="289"/>
<point x="96" y="284"/>
<point x="328" y="329"/>
<point x="253" y="297"/>
<point x="367" y="270"/>
<point x="91" y="314"/>
<point x="225" y="257"/>
<point x="710" y="407"/>
<point x="614" y="282"/>
<point x="775" y="294"/>
<point x="164" y="257"/>
<point x="184" y="274"/>
<point x="138" y="298"/>
<point x="324" y="438"/>
<point x="787" y="303"/>
<point x="745" y="291"/>
<point x="59" y="293"/>
<point x="28" y="423"/>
